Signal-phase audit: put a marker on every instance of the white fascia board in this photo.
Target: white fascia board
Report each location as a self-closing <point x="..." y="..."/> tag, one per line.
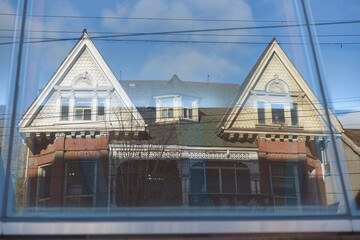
<point x="276" y="49"/>
<point x="65" y="66"/>
<point x="110" y="75"/>
<point x="249" y="86"/>
<point x="179" y="227"/>
<point x="305" y="87"/>
<point x="69" y="60"/>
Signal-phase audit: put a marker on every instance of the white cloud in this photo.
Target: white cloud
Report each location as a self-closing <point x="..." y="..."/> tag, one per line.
<point x="350" y="120"/>
<point x="188" y="9"/>
<point x="48" y="56"/>
<point x="190" y="65"/>
<point x="199" y="59"/>
<point x="6" y="21"/>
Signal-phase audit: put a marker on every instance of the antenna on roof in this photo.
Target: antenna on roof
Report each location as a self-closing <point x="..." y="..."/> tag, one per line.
<point x="208" y="78"/>
<point x="84" y="30"/>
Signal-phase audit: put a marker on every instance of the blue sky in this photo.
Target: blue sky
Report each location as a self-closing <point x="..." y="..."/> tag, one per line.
<point x="224" y="63"/>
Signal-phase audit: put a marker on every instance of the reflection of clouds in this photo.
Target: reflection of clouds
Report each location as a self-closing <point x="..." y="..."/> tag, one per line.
<point x="43" y="59"/>
<point x="188" y="9"/>
<point x="197" y="60"/>
<point x="191" y="65"/>
<point x="350" y="120"/>
<point x="6" y="22"/>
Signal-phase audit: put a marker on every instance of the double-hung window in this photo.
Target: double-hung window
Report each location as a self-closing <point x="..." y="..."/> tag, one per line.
<point x="188" y="113"/>
<point x="101" y="109"/>
<point x="284" y="184"/>
<point x="294" y="114"/>
<point x="43" y="189"/>
<point x="64" y="109"/>
<point x="167" y="108"/>
<point x="261" y="112"/>
<point x="278" y="113"/>
<point x="80" y="183"/>
<point x="82" y="109"/>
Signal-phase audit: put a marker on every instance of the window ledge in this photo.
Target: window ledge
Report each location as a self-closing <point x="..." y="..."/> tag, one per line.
<point x="281" y="126"/>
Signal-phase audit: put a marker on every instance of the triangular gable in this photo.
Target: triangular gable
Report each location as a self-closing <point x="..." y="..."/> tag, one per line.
<point x="83" y="48"/>
<point x="252" y="83"/>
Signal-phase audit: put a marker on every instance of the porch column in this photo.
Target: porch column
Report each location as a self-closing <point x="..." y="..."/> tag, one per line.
<point x="184" y="175"/>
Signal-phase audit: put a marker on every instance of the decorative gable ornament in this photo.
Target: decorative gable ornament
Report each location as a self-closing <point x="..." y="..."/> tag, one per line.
<point x="86" y="87"/>
<point x="275" y="86"/>
<point x="84" y="80"/>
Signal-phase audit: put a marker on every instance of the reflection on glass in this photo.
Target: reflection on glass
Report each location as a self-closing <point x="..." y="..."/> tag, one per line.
<point x="223" y="144"/>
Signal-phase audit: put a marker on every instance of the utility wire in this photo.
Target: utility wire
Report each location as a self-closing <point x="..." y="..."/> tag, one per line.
<point x="187" y="42"/>
<point x="196" y="31"/>
<point x="168" y="19"/>
<point x="185" y="34"/>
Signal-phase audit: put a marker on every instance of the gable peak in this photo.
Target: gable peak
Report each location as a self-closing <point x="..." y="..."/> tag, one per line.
<point x="175" y="78"/>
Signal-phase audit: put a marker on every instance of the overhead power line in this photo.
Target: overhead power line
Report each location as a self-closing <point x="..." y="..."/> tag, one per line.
<point x="169" y="19"/>
<point x="44" y="40"/>
<point x="192" y="31"/>
<point x="183" y="34"/>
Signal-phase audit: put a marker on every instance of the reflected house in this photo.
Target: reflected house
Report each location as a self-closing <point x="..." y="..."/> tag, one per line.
<point x="95" y="141"/>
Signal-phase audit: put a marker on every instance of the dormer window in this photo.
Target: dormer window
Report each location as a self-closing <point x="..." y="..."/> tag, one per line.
<point x="82" y="109"/>
<point x="175" y="108"/>
<point x="167" y="108"/>
<point x="187" y="113"/>
<point x="187" y="105"/>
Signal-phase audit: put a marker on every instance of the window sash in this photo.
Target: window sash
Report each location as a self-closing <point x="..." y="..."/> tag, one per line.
<point x="215" y="179"/>
<point x="278" y="113"/>
<point x="188" y="113"/>
<point x="101" y="109"/>
<point x="44" y="184"/>
<point x="261" y="112"/>
<point x="167" y="113"/>
<point x="64" y="115"/>
<point x="284" y="184"/>
<point x="294" y="114"/>
<point x="80" y="183"/>
<point x="82" y="109"/>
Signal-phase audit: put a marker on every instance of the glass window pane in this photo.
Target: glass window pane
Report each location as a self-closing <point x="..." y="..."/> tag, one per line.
<point x="261" y="112"/>
<point x="228" y="180"/>
<point x="278" y="115"/>
<point x="213" y="180"/>
<point x="197" y="181"/>
<point x="64" y="109"/>
<point x="87" y="114"/>
<point x="170" y="112"/>
<point x="294" y="114"/>
<point x="79" y="114"/>
<point x="83" y="102"/>
<point x="243" y="181"/>
<point x="101" y="109"/>
<point x="233" y="72"/>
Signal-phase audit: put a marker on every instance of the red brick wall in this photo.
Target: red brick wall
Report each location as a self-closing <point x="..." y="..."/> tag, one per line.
<point x="57" y="153"/>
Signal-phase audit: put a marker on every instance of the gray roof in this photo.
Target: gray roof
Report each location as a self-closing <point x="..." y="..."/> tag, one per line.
<point x="210" y="95"/>
<point x="214" y="99"/>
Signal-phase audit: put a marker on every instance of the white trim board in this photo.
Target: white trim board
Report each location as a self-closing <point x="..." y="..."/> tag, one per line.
<point x="83" y="43"/>
<point x="178" y="227"/>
